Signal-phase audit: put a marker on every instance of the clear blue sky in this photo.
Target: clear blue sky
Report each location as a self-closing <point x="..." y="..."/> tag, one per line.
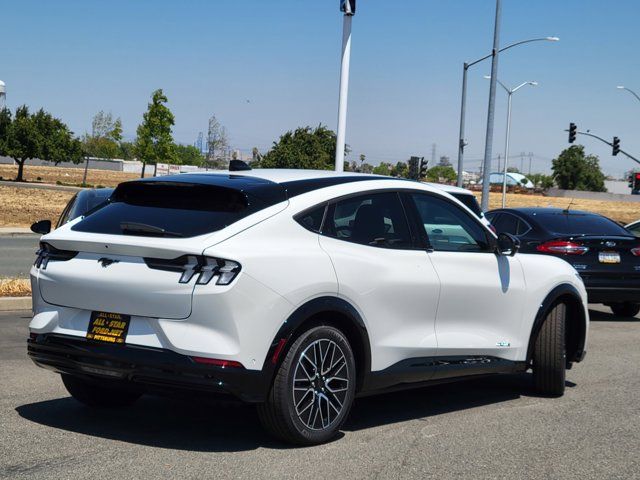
<point x="77" y="57"/>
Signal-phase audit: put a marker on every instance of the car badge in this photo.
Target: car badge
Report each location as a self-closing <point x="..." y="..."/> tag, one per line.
<point x="609" y="243"/>
<point x="105" y="262"/>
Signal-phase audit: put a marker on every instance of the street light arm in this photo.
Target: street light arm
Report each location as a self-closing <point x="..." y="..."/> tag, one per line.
<point x="544" y="39"/>
<point x="631" y="92"/>
<point x="520" y="86"/>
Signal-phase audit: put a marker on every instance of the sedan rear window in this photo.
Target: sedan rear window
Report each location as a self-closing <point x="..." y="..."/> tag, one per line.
<point x="580" y="224"/>
<point x="171" y="209"/>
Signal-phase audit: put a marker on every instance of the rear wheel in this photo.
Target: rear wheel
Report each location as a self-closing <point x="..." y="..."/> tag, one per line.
<point x="626" y="309"/>
<point x="94" y="395"/>
<point x="313" y="389"/>
<point x="549" y="355"/>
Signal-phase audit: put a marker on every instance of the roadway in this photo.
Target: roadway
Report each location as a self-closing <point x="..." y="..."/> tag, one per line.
<point x="486" y="428"/>
<point x="17" y="253"/>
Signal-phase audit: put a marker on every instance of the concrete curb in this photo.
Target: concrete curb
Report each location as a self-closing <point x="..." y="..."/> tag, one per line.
<point x="14" y="303"/>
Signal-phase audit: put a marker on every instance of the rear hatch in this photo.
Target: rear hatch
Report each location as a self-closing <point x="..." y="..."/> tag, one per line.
<point x="129" y="256"/>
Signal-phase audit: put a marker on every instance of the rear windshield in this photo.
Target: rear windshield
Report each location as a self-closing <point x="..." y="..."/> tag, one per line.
<point x="577" y="224"/>
<point x="469" y="201"/>
<point x="168" y="209"/>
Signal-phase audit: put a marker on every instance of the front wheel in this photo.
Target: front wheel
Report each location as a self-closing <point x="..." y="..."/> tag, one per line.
<point x="100" y="396"/>
<point x="550" y="354"/>
<point x="313" y="388"/>
<point x="625" y="309"/>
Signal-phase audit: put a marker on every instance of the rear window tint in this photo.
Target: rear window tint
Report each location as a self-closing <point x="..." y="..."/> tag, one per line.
<point x="177" y="209"/>
<point x="579" y="224"/>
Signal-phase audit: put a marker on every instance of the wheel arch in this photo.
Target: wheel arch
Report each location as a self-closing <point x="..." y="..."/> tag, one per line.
<point x="325" y="310"/>
<point x="576" y="318"/>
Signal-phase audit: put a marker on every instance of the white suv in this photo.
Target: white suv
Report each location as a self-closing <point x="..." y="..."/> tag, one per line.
<point x="296" y="291"/>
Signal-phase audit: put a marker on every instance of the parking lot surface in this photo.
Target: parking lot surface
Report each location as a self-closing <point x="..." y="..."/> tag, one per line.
<point x="486" y="428"/>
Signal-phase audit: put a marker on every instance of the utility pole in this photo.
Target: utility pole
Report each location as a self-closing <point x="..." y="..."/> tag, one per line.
<point x="348" y="7"/>
<point x="433" y="154"/>
<point x="530" y="158"/>
<point x="488" y="145"/>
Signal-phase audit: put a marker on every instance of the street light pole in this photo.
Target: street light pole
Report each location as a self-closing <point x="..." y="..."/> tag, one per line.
<point x="486" y="173"/>
<point x="510" y="92"/>
<point x="461" y="141"/>
<point x="348" y="7"/>
<point x="621" y="87"/>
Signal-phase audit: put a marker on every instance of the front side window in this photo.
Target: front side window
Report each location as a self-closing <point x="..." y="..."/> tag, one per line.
<point x="375" y="219"/>
<point x="448" y="227"/>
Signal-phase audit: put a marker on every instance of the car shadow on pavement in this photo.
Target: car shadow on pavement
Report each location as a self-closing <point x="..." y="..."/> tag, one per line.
<point x="441" y="399"/>
<point x="226" y="427"/>
<point x="598" y="316"/>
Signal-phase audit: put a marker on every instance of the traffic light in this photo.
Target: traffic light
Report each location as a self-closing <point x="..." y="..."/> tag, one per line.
<point x="422" y="170"/>
<point x="348" y="7"/>
<point x="634" y="183"/>
<point x="616" y="146"/>
<point x="414" y="169"/>
<point x="573" y="131"/>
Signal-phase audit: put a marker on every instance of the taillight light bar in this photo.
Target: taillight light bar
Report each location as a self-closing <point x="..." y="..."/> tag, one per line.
<point x="563" y="247"/>
<point x="205" y="268"/>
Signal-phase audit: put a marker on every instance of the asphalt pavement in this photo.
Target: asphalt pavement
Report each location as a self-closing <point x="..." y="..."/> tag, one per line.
<point x="17" y="254"/>
<point x="486" y="428"/>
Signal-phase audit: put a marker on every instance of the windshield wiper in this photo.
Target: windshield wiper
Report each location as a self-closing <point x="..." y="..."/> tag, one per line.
<point x="144" y="229"/>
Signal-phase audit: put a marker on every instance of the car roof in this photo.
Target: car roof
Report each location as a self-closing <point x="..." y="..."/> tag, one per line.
<point x="450" y="188"/>
<point x="282" y="175"/>
<point x="533" y="211"/>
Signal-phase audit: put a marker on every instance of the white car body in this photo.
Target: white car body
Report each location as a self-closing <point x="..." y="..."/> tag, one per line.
<point x="412" y="303"/>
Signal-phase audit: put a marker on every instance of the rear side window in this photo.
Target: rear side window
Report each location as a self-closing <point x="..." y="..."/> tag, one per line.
<point x="312" y="220"/>
<point x="375" y="219"/>
<point x="168" y="209"/>
<point x="579" y="224"/>
<point x="507" y="223"/>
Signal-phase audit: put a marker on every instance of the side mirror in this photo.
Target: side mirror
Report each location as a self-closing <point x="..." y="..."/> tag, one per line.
<point x="507" y="244"/>
<point x="42" y="227"/>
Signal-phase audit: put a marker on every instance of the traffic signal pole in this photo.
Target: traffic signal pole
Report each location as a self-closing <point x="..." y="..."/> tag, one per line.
<point x="628" y="155"/>
<point x="348" y="8"/>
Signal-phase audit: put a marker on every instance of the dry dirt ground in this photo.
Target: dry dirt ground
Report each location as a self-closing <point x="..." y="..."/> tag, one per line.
<point x="14" y="287"/>
<point x="21" y="207"/>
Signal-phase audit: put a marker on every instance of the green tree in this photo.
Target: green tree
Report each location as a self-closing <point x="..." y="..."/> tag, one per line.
<point x="540" y="180"/>
<point x="574" y="170"/>
<point x="441" y="173"/>
<point x="127" y="151"/>
<point x="26" y="136"/>
<point x="188" y="155"/>
<point x="105" y="138"/>
<point x="303" y="148"/>
<point x="383" y="169"/>
<point x="155" y="141"/>
<point x="401" y="169"/>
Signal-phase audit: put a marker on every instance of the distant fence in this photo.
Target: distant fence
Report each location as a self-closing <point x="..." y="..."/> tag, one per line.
<point x="602" y="196"/>
<point x="95" y="163"/>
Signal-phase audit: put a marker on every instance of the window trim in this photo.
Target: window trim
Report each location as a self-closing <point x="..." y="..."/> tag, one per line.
<point x="490" y="239"/>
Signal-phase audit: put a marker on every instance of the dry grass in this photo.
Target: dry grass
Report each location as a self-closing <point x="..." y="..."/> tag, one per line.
<point x="625" y="212"/>
<point x="14" y="287"/>
<point x="20" y="207"/>
<point x="23" y="206"/>
<point x="69" y="176"/>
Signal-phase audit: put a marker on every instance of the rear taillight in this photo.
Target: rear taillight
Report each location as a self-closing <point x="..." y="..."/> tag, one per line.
<point x="636" y="251"/>
<point x="205" y="268"/>
<point x="563" y="247"/>
<point x="217" y="362"/>
<point x="47" y="253"/>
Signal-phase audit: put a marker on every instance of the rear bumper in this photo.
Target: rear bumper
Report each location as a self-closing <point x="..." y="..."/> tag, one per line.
<point x="153" y="369"/>
<point x="613" y="294"/>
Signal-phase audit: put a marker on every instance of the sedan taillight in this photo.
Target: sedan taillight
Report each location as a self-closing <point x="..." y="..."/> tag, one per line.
<point x="563" y="247"/>
<point x="636" y="251"/>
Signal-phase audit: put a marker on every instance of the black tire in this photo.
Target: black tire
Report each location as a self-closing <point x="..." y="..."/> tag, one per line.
<point x="550" y="354"/>
<point x="284" y="414"/>
<point x="99" y="396"/>
<point x="626" y="309"/>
